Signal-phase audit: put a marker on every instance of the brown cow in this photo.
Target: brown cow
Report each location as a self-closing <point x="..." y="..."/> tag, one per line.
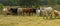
<point x="29" y="11"/>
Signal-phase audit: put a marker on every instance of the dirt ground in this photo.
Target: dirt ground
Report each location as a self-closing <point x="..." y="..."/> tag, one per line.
<point x="10" y="20"/>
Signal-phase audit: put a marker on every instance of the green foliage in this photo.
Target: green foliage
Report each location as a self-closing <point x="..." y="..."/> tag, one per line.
<point x="58" y="2"/>
<point x="52" y="2"/>
<point x="29" y="3"/>
<point x="1" y="7"/>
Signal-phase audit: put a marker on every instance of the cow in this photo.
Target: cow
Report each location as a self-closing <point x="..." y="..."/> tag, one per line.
<point x="5" y="11"/>
<point x="38" y="12"/>
<point x="8" y="11"/>
<point x="29" y="11"/>
<point x="56" y="13"/>
<point x="46" y="12"/>
<point x="14" y="11"/>
<point x="20" y="11"/>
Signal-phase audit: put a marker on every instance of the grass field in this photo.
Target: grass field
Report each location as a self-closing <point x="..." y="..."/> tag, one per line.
<point x="11" y="20"/>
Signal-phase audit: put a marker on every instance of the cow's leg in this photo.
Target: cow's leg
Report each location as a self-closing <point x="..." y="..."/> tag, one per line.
<point x="23" y="13"/>
<point x="41" y="14"/>
<point x="29" y="13"/>
<point x="20" y="13"/>
<point x="35" y="13"/>
<point x="51" y="15"/>
<point x="46" y="15"/>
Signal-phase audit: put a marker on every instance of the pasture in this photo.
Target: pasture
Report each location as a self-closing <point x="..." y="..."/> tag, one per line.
<point x="11" y="20"/>
<point x="14" y="20"/>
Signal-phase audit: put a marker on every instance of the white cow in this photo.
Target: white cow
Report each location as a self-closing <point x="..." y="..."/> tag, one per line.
<point x="5" y="11"/>
<point x="46" y="11"/>
<point x="19" y="11"/>
<point x="38" y="12"/>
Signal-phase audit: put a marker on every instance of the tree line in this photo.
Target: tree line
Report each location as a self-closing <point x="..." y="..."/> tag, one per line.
<point x="29" y="2"/>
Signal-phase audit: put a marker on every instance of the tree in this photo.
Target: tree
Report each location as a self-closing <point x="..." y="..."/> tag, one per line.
<point x="58" y="2"/>
<point x="1" y="7"/>
<point x="52" y="2"/>
<point x="29" y="2"/>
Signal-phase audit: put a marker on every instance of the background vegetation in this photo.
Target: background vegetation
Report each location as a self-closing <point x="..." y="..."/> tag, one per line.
<point x="29" y="3"/>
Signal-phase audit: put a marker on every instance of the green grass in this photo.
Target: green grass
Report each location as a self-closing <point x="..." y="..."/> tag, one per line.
<point x="11" y="20"/>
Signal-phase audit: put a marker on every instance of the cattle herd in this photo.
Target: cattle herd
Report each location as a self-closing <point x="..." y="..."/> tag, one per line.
<point x="47" y="12"/>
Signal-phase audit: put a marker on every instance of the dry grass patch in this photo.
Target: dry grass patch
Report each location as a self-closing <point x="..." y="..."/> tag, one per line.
<point x="27" y="21"/>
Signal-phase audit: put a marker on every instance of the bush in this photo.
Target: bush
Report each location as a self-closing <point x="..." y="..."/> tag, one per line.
<point x="1" y="6"/>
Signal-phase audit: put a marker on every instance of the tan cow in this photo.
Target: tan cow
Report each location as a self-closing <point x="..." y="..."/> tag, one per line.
<point x="56" y="13"/>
